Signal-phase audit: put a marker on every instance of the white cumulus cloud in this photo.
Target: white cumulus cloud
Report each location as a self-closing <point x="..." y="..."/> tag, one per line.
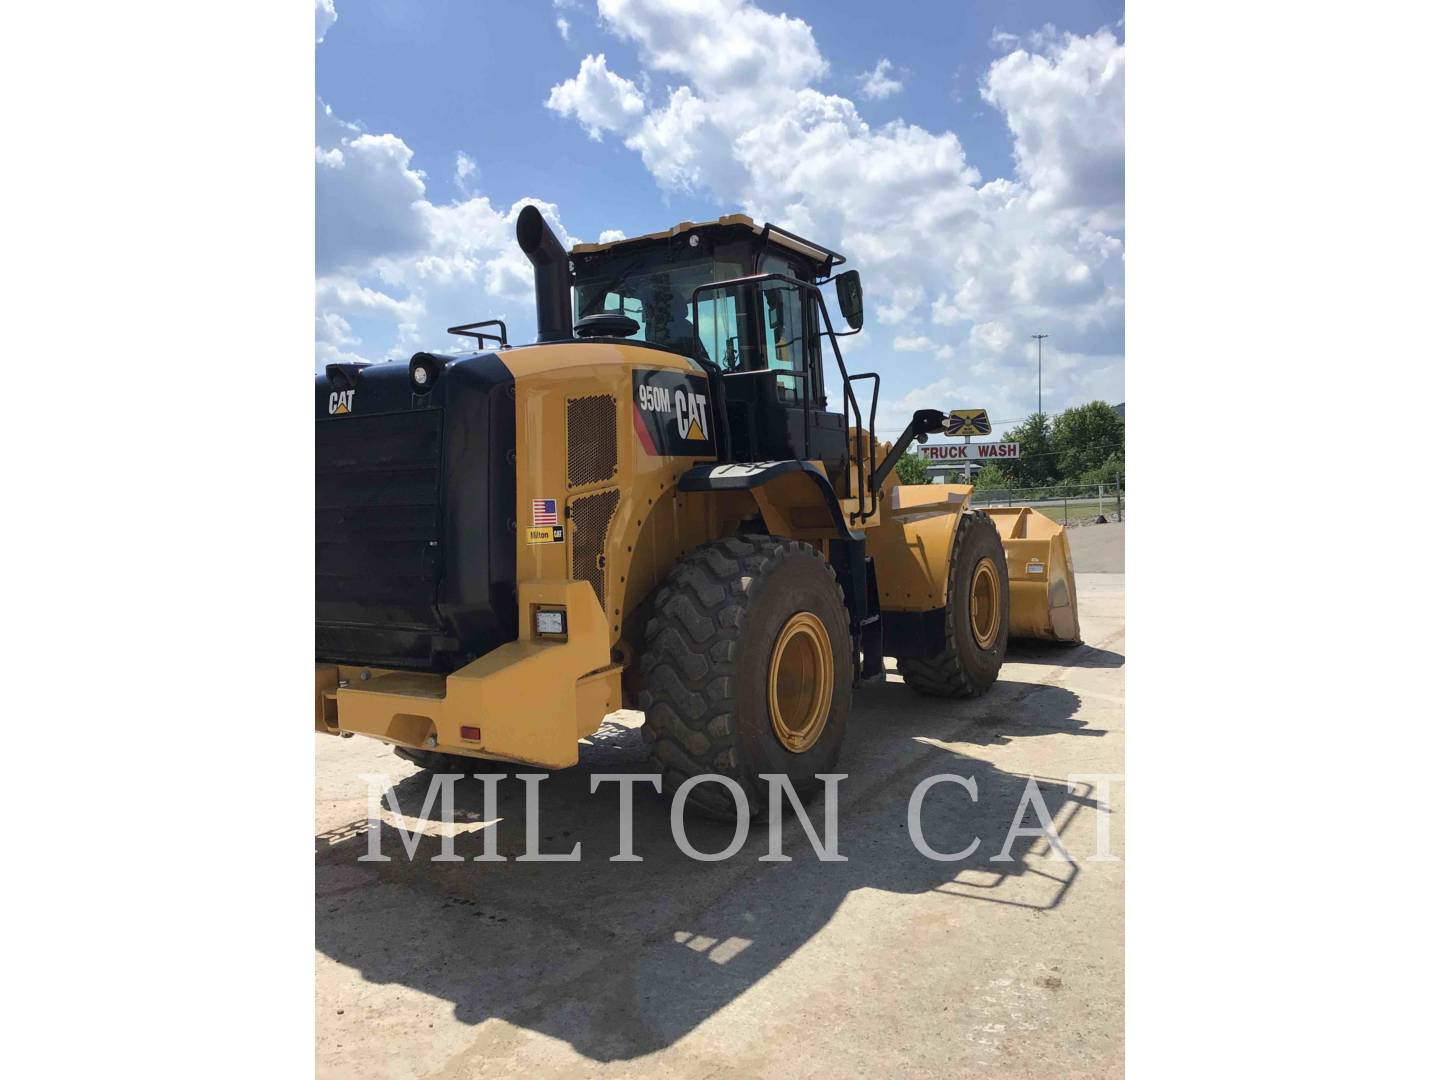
<point x="726" y="102"/>
<point x="465" y="168"/>
<point x="903" y="300"/>
<point x="403" y="266"/>
<point x="598" y="98"/>
<point x="1066" y="108"/>
<point x="324" y="18"/>
<point x="943" y="249"/>
<point x="877" y="83"/>
<point x="718" y="44"/>
<point x="991" y="337"/>
<point x="367" y="197"/>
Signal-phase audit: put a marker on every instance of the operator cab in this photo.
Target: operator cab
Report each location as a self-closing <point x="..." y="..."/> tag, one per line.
<point x="762" y="339"/>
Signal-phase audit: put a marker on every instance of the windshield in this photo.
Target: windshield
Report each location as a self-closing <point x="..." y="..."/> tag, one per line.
<point x="654" y="289"/>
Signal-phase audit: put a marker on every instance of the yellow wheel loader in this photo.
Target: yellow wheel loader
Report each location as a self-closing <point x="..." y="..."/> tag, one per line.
<point x="656" y="505"/>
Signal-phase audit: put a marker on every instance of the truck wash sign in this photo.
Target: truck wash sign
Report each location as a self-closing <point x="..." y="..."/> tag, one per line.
<point x="982" y="452"/>
<point x="674" y="416"/>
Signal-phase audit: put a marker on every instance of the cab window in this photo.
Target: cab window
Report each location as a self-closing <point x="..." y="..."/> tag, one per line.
<point x="653" y="287"/>
<point x="786" y="340"/>
<point x="719" y="329"/>
<point x="627" y="305"/>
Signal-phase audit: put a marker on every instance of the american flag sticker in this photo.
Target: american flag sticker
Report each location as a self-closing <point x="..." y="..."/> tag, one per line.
<point x="542" y="512"/>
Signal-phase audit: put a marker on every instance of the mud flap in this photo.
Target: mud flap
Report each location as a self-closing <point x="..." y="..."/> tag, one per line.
<point x="855" y="571"/>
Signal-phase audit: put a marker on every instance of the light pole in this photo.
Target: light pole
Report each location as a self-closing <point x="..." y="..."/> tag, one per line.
<point x="1039" y="398"/>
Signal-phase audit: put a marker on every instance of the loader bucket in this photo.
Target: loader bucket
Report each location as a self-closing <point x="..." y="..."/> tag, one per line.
<point x="1042" y="576"/>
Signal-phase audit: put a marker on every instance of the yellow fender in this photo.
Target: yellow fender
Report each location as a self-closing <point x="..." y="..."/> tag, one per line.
<point x="1042" y="575"/>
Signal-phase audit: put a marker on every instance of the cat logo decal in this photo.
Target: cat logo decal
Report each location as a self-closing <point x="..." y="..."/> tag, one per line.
<point x="672" y="414"/>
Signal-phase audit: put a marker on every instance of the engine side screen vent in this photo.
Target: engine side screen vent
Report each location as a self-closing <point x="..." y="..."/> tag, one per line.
<point x="591" y="448"/>
<point x="590" y="517"/>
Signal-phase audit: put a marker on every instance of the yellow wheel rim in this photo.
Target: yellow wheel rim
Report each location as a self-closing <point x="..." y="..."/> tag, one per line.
<point x="985" y="603"/>
<point x="802" y="681"/>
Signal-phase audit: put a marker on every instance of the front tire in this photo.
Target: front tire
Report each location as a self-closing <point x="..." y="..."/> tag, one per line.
<point x="977" y="617"/>
<point x="747" y="670"/>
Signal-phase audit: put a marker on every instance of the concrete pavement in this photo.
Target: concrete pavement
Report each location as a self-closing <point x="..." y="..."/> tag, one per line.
<point x="887" y="964"/>
<point x="1098" y="548"/>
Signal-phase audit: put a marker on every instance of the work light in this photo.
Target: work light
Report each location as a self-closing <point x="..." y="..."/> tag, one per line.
<point x="424" y="370"/>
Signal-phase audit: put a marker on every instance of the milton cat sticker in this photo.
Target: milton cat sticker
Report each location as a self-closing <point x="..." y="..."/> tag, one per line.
<point x="674" y="416"/>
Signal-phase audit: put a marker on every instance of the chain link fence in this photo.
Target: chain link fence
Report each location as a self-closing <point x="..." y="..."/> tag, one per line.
<point x="1072" y="504"/>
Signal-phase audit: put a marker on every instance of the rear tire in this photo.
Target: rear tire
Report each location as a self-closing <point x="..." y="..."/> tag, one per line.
<point x="977" y="617"/>
<point x="746" y="629"/>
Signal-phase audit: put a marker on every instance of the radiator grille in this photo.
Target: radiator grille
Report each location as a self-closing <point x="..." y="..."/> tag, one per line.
<point x="589" y="524"/>
<point x="590" y="440"/>
<point x="378" y="518"/>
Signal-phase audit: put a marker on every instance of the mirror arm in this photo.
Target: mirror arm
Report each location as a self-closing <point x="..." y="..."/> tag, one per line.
<point x="924" y="422"/>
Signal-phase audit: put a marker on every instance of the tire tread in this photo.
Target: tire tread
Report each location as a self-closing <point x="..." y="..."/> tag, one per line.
<point x="944" y="674"/>
<point x="688" y="669"/>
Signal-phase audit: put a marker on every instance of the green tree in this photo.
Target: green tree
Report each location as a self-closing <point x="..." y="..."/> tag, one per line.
<point x="1109" y="473"/>
<point x="1036" y="466"/>
<point x="911" y="470"/>
<point x="991" y="476"/>
<point x="1088" y="439"/>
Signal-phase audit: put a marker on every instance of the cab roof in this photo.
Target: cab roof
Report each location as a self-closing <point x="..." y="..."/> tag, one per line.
<point x="808" y="248"/>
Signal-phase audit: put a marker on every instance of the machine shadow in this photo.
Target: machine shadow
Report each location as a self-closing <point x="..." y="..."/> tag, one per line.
<point x="1012" y="710"/>
<point x="621" y="959"/>
<point x="1058" y="654"/>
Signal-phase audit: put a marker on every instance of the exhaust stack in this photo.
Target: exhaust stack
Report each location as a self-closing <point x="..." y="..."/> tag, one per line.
<point x="552" y="275"/>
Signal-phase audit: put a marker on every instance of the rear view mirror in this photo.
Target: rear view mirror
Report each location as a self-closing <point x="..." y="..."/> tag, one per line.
<point x="852" y="299"/>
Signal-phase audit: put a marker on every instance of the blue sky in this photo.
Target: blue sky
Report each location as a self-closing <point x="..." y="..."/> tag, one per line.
<point x="968" y="157"/>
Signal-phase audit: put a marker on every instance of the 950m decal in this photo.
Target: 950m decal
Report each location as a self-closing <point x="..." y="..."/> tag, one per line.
<point x="674" y="416"/>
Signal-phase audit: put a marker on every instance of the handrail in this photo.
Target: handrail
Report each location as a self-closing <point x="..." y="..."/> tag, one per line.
<point x="848" y="398"/>
<point x="870" y="440"/>
<point x="473" y="330"/>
